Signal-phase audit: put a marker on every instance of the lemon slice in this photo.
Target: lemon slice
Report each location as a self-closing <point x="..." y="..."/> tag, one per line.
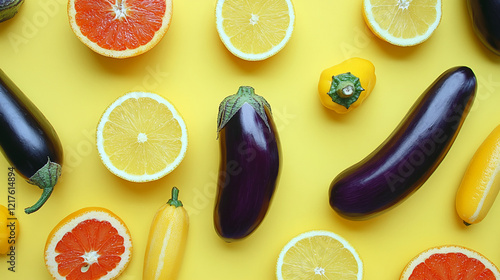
<point x="254" y="30"/>
<point x="402" y="22"/>
<point x="141" y="137"/>
<point x="319" y="255"/>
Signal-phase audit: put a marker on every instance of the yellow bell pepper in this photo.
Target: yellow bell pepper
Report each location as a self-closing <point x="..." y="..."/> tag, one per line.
<point x="167" y="241"/>
<point x="343" y="87"/>
<point x="480" y="184"/>
<point x="9" y="230"/>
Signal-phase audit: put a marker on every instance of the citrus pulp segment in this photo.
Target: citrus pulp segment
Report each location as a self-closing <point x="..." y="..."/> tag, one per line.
<point x="402" y="22"/>
<point x="91" y="243"/>
<point x="254" y="30"/>
<point x="319" y="255"/>
<point x="450" y="262"/>
<point x="141" y="137"/>
<point x="120" y="28"/>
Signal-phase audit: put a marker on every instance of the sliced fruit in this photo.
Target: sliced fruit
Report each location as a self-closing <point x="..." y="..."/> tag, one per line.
<point x="450" y="262"/>
<point x="120" y="28"/>
<point x="141" y="137"/>
<point x="402" y="22"/>
<point x="9" y="8"/>
<point x="91" y="243"/>
<point x="480" y="183"/>
<point x="319" y="255"/>
<point x="254" y="30"/>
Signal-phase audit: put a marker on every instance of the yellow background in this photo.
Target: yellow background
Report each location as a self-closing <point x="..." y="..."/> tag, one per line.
<point x="190" y="67"/>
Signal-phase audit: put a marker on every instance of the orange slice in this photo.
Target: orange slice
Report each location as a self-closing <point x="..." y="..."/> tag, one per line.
<point x="120" y="28"/>
<point x="92" y="243"/>
<point x="402" y="22"/>
<point x="450" y="262"/>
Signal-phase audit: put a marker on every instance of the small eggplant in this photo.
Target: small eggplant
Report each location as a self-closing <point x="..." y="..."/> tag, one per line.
<point x="485" y="16"/>
<point x="28" y="141"/>
<point x="408" y="157"/>
<point x="249" y="164"/>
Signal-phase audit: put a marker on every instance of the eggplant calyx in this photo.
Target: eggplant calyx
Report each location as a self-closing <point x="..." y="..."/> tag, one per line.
<point x="45" y="178"/>
<point x="345" y="89"/>
<point x="9" y="8"/>
<point x="174" y="201"/>
<point x="231" y="104"/>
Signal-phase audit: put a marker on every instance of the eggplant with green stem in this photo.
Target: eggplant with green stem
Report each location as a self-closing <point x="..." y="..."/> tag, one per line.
<point x="28" y="141"/>
<point x="249" y="164"/>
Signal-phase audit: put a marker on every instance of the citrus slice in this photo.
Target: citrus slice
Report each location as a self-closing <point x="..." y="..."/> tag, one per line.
<point x="402" y="22"/>
<point x="141" y="137"/>
<point x="319" y="255"/>
<point x="450" y="262"/>
<point x="120" y="28"/>
<point x="254" y="30"/>
<point x="91" y="243"/>
<point x="480" y="184"/>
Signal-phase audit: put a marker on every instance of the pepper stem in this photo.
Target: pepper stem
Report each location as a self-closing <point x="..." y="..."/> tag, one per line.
<point x="174" y="201"/>
<point x="345" y="89"/>
<point x="45" y="178"/>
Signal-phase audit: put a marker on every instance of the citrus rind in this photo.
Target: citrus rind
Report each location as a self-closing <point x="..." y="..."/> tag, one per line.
<point x="226" y="40"/>
<point x="398" y="41"/>
<point x="408" y="270"/>
<point x="70" y="222"/>
<point x="313" y="233"/>
<point x="144" y="177"/>
<point x="120" y="53"/>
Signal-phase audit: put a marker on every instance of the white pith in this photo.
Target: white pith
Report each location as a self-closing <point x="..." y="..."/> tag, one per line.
<point x="92" y="256"/>
<point x="447" y="249"/>
<point x="253" y="20"/>
<point x="318" y="270"/>
<point x="144" y="177"/>
<point x="120" y="12"/>
<point x="403" y="5"/>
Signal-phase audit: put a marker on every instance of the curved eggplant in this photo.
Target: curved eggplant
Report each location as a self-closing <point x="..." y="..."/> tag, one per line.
<point x="485" y="16"/>
<point x="249" y="164"/>
<point x="408" y="157"/>
<point x="28" y="141"/>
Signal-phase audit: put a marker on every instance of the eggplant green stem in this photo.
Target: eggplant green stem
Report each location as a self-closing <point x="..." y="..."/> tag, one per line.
<point x="45" y="178"/>
<point x="232" y="104"/>
<point x="345" y="89"/>
<point x="174" y="201"/>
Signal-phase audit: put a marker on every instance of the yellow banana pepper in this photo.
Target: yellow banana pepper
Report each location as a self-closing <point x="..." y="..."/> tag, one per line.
<point x="480" y="184"/>
<point x="343" y="87"/>
<point x="167" y="241"/>
<point x="9" y="230"/>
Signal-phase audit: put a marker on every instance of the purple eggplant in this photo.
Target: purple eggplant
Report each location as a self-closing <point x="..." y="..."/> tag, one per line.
<point x="408" y="157"/>
<point x="485" y="16"/>
<point x="28" y="140"/>
<point x="249" y="164"/>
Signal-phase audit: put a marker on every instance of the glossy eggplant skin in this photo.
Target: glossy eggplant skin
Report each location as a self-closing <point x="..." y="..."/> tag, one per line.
<point x="28" y="141"/>
<point x="248" y="173"/>
<point x="408" y="157"/>
<point x="485" y="16"/>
